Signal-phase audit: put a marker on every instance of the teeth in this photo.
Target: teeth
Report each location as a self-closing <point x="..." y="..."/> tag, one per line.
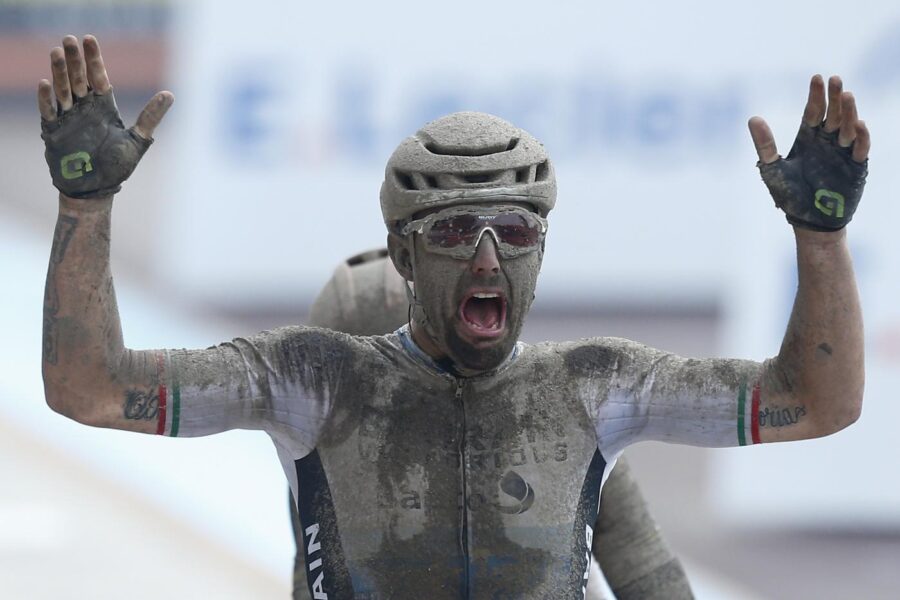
<point x="485" y="295"/>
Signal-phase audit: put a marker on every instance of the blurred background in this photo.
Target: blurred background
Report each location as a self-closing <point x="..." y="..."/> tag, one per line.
<point x="265" y="175"/>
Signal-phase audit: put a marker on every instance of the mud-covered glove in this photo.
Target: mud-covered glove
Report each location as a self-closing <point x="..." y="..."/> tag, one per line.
<point x="818" y="185"/>
<point x="89" y="150"/>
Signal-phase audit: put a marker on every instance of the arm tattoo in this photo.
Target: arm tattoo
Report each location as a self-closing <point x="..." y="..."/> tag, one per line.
<point x="64" y="230"/>
<point x="140" y="404"/>
<point x="781" y="417"/>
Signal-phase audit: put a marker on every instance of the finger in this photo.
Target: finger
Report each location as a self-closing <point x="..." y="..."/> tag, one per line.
<point x="96" y="70"/>
<point x="45" y="101"/>
<point x="75" y="66"/>
<point x="60" y="79"/>
<point x="863" y="143"/>
<point x="763" y="140"/>
<point x="815" y="102"/>
<point x="849" y="119"/>
<point x="153" y="113"/>
<point x="833" y="116"/>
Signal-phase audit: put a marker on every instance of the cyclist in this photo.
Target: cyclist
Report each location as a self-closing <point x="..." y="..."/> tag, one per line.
<point x="448" y="459"/>
<point x="365" y="296"/>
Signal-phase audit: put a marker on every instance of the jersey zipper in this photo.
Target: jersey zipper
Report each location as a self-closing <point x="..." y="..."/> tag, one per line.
<point x="464" y="513"/>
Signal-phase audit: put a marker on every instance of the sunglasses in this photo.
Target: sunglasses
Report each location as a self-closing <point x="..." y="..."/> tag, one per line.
<point x="457" y="231"/>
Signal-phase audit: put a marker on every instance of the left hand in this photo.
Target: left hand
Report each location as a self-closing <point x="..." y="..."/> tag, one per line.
<point x="820" y="182"/>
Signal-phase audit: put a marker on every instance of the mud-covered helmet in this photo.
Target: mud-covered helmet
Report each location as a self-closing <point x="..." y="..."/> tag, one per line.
<point x="466" y="158"/>
<point x="365" y="296"/>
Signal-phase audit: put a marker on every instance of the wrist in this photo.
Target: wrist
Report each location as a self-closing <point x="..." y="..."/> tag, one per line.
<point x="76" y="206"/>
<point x="822" y="239"/>
<point x="820" y="248"/>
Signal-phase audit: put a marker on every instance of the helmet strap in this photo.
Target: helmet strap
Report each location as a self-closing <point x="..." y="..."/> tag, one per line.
<point x="410" y="288"/>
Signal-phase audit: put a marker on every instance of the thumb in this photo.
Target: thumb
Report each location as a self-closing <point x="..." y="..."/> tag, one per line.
<point x="763" y="140"/>
<point x="153" y="113"/>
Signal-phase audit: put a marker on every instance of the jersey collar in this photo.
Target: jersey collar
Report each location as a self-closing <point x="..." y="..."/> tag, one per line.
<point x="446" y="367"/>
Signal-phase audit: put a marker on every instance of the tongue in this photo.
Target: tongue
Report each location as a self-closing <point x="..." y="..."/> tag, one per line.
<point x="483" y="312"/>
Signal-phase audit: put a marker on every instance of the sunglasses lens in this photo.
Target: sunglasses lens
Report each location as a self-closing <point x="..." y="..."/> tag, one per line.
<point x="512" y="230"/>
<point x="516" y="230"/>
<point x="451" y="232"/>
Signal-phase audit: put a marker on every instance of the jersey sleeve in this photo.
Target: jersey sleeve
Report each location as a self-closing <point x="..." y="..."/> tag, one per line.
<point x="282" y="380"/>
<point x="637" y="393"/>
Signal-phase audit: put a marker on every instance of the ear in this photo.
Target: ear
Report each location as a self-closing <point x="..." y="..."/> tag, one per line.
<point x="398" y="250"/>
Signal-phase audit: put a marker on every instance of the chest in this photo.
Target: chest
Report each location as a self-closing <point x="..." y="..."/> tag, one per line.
<point x="464" y="481"/>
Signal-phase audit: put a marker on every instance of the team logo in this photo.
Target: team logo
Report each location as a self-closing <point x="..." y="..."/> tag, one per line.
<point x="75" y="165"/>
<point x="830" y="203"/>
<point x="517" y="488"/>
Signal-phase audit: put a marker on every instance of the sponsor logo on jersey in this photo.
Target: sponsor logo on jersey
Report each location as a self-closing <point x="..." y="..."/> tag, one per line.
<point x="586" y="515"/>
<point x="513" y="485"/>
<point x="327" y="573"/>
<point x="314" y="562"/>
<point x="588" y="540"/>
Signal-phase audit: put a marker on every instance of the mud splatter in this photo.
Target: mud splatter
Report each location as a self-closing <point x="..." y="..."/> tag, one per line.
<point x="589" y="360"/>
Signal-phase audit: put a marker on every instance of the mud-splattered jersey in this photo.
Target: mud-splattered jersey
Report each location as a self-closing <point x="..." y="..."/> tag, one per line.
<point x="413" y="483"/>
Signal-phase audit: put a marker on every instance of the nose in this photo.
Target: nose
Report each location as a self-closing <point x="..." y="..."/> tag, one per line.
<point x="486" y="262"/>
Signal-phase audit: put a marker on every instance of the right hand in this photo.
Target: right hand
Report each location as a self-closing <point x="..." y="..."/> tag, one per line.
<point x="88" y="149"/>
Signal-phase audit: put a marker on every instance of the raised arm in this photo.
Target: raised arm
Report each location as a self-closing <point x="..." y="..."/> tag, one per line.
<point x="814" y="386"/>
<point x="89" y="375"/>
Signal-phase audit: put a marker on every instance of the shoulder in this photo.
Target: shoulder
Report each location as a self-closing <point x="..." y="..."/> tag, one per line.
<point x="289" y="347"/>
<point x="589" y="356"/>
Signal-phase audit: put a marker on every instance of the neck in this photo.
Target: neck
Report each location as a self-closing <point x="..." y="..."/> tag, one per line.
<point x="425" y="342"/>
<point x="429" y="346"/>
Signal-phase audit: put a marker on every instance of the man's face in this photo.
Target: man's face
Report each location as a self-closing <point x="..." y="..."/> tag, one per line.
<point x="474" y="308"/>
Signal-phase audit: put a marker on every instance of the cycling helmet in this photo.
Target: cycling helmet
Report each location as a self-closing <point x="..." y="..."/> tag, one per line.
<point x="466" y="158"/>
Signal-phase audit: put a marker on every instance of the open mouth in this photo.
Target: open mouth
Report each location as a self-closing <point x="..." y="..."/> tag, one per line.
<point x="483" y="313"/>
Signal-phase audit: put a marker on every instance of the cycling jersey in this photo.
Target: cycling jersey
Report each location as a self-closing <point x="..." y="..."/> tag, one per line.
<point x="412" y="482"/>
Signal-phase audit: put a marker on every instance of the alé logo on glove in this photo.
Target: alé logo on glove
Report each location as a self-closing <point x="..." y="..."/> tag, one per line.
<point x="830" y="203"/>
<point x="75" y="165"/>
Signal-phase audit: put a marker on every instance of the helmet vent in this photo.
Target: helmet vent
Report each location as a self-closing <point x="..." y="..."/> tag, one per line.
<point x="441" y="150"/>
<point x="404" y="180"/>
<point x="432" y="181"/>
<point x="523" y="175"/>
<point x="366" y="257"/>
<point x="481" y="177"/>
<point x="543" y="170"/>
